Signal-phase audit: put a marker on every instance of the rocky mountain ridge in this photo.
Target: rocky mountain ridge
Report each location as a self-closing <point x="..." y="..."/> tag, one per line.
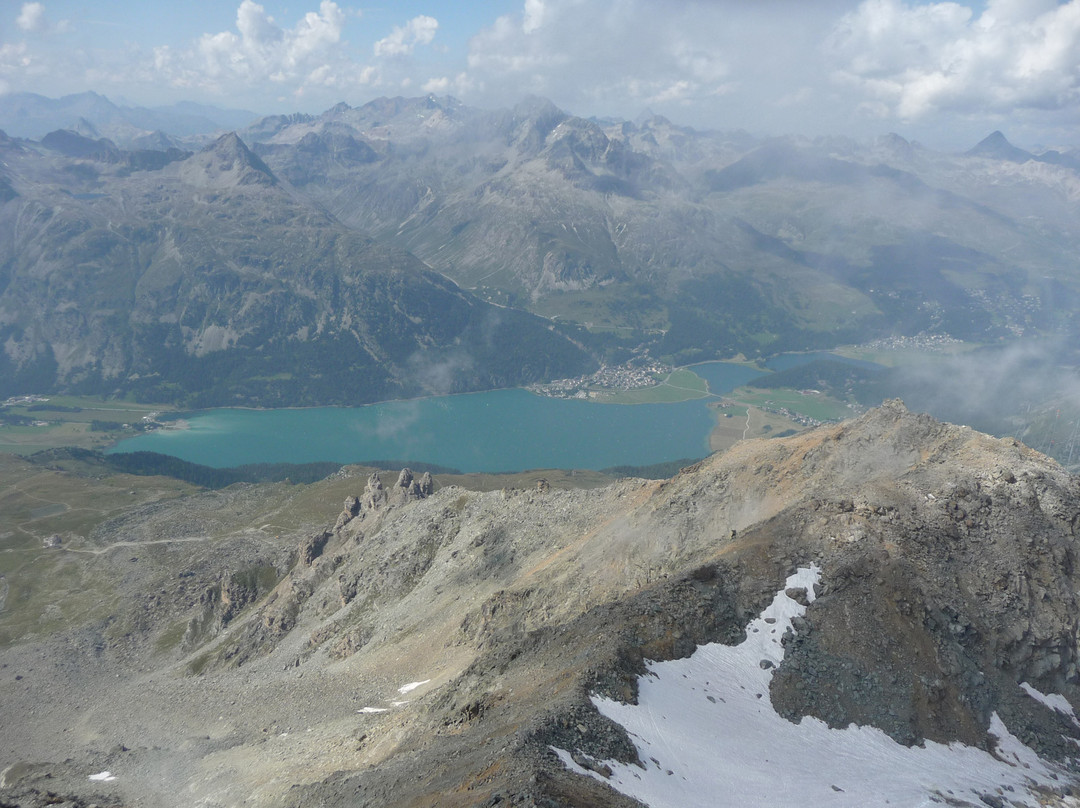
<point x="428" y="646"/>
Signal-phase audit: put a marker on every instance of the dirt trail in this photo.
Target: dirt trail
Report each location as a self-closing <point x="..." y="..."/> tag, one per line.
<point x="101" y="550"/>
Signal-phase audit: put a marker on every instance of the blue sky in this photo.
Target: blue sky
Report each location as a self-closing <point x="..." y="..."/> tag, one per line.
<point x="941" y="72"/>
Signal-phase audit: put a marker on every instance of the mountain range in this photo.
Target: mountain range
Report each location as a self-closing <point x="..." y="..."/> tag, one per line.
<point x="29" y="115"/>
<point x="152" y="269"/>
<point x="724" y="242"/>
<point x="203" y="279"/>
<point x="997" y="147"/>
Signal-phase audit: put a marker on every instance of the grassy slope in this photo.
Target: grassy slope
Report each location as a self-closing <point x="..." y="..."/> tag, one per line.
<point x="43" y="588"/>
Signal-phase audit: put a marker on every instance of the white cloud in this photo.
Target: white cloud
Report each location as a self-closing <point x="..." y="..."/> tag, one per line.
<point x="608" y="57"/>
<point x="13" y="55"/>
<point x="460" y="84"/>
<point x="534" y="16"/>
<point x="259" y="60"/>
<point x="436" y="85"/>
<point x="261" y="51"/>
<point x="316" y="33"/>
<point x="404" y="38"/>
<point x="797" y="98"/>
<point x="914" y="60"/>
<point x="32" y="18"/>
<point x="673" y="92"/>
<point x="255" y="26"/>
<point x="791" y="66"/>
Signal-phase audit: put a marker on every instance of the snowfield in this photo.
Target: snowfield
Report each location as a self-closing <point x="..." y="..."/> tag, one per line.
<point x="706" y="730"/>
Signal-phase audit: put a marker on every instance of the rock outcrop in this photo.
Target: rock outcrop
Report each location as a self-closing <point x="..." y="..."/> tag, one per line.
<point x="409" y="488"/>
<point x="374" y="495"/>
<point x="351" y="509"/>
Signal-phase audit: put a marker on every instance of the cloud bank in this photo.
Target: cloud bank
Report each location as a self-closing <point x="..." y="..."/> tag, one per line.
<point x="627" y="51"/>
<point x="260" y="52"/>
<point x="773" y="66"/>
<point x="910" y="60"/>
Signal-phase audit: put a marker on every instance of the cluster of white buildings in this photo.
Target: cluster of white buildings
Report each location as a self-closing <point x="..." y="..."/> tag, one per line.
<point x="629" y="376"/>
<point x="21" y="401"/>
<point x="920" y="342"/>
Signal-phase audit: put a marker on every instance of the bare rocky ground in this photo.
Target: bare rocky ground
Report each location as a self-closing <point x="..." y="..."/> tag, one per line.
<point x="425" y="647"/>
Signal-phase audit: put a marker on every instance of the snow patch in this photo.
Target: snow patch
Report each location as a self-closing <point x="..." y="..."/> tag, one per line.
<point x="1055" y="701"/>
<point x="104" y="777"/>
<point x="411" y="686"/>
<point x="709" y="737"/>
<point x="373" y="710"/>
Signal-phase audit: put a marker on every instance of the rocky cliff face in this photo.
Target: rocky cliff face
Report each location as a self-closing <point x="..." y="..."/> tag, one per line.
<point x="431" y="647"/>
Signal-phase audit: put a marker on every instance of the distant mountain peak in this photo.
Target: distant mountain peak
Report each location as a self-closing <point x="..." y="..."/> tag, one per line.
<point x="265" y="128"/>
<point x="73" y="144"/>
<point x="534" y="106"/>
<point x="995" y="140"/>
<point x="155" y="141"/>
<point x="227" y="162"/>
<point x="86" y="128"/>
<point x="997" y="147"/>
<point x="896" y="145"/>
<point x="32" y="116"/>
<point x="537" y="117"/>
<point x="87" y="95"/>
<point x="230" y="141"/>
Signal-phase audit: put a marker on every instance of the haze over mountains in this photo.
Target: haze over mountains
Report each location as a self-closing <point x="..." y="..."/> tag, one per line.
<point x="206" y="279"/>
<point x="725" y="242"/>
<point x="122" y="263"/>
<point x="29" y="115"/>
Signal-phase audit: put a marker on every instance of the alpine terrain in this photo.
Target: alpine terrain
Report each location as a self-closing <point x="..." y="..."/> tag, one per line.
<point x="882" y="611"/>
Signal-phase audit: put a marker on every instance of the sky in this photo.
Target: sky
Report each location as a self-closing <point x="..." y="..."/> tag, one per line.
<point x="943" y="73"/>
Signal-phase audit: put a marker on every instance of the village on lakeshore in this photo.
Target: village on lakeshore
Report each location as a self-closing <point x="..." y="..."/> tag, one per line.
<point x="633" y="375"/>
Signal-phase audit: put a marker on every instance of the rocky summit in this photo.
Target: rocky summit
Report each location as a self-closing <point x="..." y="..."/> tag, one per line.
<point x="899" y="587"/>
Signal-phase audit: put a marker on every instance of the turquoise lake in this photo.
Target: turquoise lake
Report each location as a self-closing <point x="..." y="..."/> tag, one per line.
<point x="502" y="430"/>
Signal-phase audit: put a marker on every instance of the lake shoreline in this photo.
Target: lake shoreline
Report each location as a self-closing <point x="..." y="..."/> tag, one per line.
<point x="479" y="431"/>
